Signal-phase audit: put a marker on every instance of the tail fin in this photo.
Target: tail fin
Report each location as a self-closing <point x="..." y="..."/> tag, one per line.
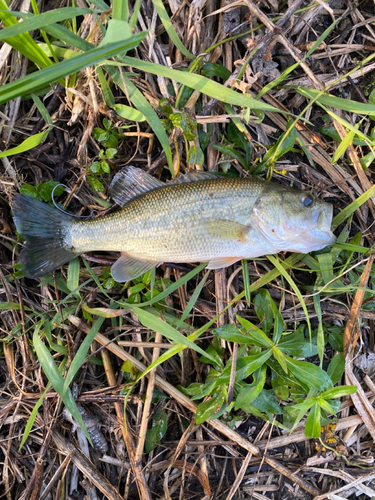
<point x="46" y="233"/>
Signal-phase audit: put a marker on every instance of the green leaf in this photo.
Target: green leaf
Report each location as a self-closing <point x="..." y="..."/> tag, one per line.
<point x="162" y="13"/>
<point x="280" y="358"/>
<point x="117" y="30"/>
<point x="158" y="325"/>
<point x="336" y="367"/>
<point x="213" y="69"/>
<point x="33" y="22"/>
<point x="129" y="113"/>
<point x="275" y="261"/>
<point x="339" y="392"/>
<point x="29" y="190"/>
<point x="245" y="366"/>
<point x="27" y="144"/>
<point x="296" y="344"/>
<point x="258" y="337"/>
<point x="263" y="309"/>
<point x="144" y="107"/>
<point x="195" y="156"/>
<point x="40" y="79"/>
<point x="54" y="376"/>
<point x="337" y="102"/>
<point x="309" y="374"/>
<point x="208" y="408"/>
<point x="312" y="428"/>
<point x="73" y="275"/>
<point x="45" y="190"/>
<point x="198" y="82"/>
<point x="249" y="393"/>
<point x="266" y="402"/>
<point x="81" y="354"/>
<point x="157" y="431"/>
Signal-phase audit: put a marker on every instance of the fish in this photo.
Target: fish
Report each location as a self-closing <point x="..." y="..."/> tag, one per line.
<point x="202" y="218"/>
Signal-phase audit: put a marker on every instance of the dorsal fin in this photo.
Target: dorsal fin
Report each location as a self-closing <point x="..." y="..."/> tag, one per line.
<point x="192" y="175"/>
<point x="130" y="182"/>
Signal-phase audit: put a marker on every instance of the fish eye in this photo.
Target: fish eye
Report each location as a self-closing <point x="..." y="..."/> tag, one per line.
<point x="307" y="200"/>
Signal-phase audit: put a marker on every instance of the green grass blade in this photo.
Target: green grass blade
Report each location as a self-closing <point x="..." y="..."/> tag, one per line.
<point x="31" y="22"/>
<point x="347" y="211"/>
<point x="54" y="376"/>
<point x="37" y="81"/>
<point x="201" y="83"/>
<point x="158" y="325"/>
<point x="27" y="144"/>
<point x="144" y="107"/>
<point x="338" y="102"/>
<point x="81" y="354"/>
<point x="275" y="261"/>
<point x="193" y="299"/>
<point x="120" y="10"/>
<point x="162" y="13"/>
<point x="23" y="42"/>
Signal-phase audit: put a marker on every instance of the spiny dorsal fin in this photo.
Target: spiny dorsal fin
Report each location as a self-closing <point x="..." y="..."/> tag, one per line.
<point x="131" y="182"/>
<point x="192" y="175"/>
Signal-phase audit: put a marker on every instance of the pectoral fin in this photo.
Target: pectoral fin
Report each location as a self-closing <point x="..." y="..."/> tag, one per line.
<point x="220" y="262"/>
<point x="127" y="268"/>
<point x="226" y="229"/>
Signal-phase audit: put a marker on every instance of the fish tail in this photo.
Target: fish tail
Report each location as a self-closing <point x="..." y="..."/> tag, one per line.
<point x="46" y="232"/>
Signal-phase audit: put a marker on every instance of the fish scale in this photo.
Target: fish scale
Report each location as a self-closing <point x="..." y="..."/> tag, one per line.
<point x="170" y="223"/>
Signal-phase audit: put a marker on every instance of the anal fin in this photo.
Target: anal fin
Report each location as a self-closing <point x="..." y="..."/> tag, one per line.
<point x="220" y="262"/>
<point x="128" y="268"/>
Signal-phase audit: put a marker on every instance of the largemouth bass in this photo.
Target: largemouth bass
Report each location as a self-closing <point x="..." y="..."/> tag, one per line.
<point x="202" y="219"/>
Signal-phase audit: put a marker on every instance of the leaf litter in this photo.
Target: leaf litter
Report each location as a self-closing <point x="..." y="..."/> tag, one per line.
<point x="279" y="91"/>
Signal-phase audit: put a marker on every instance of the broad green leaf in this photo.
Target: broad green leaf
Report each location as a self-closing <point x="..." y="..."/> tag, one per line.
<point x="157" y="431"/>
<point x="258" y="337"/>
<point x="312" y="428"/>
<point x="263" y="309"/>
<point x="245" y="366"/>
<point x="309" y="374"/>
<point x="339" y="392"/>
<point x="336" y="367"/>
<point x="280" y="358"/>
<point x="249" y="393"/>
<point x="208" y="408"/>
<point x="296" y="344"/>
<point x="27" y="144"/>
<point x="117" y="30"/>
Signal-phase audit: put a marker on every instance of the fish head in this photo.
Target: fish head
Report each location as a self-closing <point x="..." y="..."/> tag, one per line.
<point x="293" y="221"/>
